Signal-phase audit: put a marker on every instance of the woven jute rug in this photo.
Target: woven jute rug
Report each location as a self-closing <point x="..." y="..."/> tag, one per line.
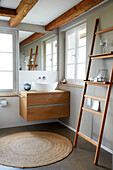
<point x="33" y="149"/>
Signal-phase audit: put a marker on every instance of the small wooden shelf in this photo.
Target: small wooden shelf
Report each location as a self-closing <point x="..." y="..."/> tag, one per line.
<point x="10" y="95"/>
<point x="97" y="83"/>
<point x="31" y="65"/>
<point x="103" y="55"/>
<point x="71" y="85"/>
<point x="105" y="30"/>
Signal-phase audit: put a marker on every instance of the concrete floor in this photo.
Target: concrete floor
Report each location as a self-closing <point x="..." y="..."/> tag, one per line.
<point x="81" y="157"/>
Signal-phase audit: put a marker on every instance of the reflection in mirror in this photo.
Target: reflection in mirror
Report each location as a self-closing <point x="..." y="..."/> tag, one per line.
<point x="38" y="51"/>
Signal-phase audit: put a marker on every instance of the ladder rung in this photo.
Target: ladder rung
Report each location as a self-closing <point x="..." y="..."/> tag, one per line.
<point x="92" y="111"/>
<point x="31" y="65"/>
<point x="88" y="139"/>
<point x="105" y="30"/>
<point x="97" y="83"/>
<point x="33" y="53"/>
<point x="99" y="57"/>
<point x="102" y="54"/>
<point x="96" y="98"/>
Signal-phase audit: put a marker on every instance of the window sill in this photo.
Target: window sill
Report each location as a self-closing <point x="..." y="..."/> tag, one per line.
<point x="9" y="95"/>
<point x="71" y="85"/>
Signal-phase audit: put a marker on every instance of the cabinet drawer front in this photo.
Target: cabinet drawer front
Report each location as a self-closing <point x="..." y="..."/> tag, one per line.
<point x="48" y="112"/>
<point x="44" y="99"/>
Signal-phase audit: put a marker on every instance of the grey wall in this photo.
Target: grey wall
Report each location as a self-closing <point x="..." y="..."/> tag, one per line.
<point x="91" y="123"/>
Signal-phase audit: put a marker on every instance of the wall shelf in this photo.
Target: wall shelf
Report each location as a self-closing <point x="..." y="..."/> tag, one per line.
<point x="71" y="85"/>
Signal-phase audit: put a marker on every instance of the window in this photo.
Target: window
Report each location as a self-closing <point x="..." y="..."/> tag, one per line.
<point x="51" y="55"/>
<point x="7" y="62"/>
<point x="75" y="62"/>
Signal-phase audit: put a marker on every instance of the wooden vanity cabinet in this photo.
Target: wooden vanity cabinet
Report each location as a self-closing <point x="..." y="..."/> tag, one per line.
<point x="44" y="105"/>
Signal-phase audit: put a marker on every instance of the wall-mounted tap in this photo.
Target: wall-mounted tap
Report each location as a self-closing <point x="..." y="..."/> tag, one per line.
<point x="44" y="77"/>
<point x="39" y="77"/>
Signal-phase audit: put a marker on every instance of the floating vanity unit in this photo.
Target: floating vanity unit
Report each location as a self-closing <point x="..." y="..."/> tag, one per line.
<point x="44" y="105"/>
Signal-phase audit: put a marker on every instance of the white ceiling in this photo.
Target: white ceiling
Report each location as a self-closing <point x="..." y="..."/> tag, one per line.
<point x="9" y="3"/>
<point x="24" y="34"/>
<point x="43" y="12"/>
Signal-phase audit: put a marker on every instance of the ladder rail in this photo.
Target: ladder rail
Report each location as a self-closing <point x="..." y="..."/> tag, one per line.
<point x="35" y="57"/>
<point x="80" y="116"/>
<point x="94" y="36"/>
<point x="30" y="58"/>
<point x="104" y="118"/>
<point x="85" y="86"/>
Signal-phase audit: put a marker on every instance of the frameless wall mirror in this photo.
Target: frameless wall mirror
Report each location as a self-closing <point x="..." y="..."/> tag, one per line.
<point x="38" y="51"/>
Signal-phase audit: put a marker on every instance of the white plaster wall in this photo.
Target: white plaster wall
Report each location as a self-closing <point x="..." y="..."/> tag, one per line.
<point x="30" y="76"/>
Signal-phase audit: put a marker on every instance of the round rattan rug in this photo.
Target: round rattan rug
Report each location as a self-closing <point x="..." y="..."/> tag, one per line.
<point x="33" y="149"/>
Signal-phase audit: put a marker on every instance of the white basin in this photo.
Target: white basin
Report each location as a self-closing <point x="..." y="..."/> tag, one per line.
<point x="44" y="86"/>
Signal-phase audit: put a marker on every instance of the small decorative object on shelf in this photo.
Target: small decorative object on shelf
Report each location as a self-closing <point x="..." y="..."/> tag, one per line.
<point x="104" y="44"/>
<point x="27" y="86"/>
<point x="91" y="78"/>
<point x="101" y="76"/>
<point x="20" y="68"/>
<point x="96" y="105"/>
<point x="63" y="81"/>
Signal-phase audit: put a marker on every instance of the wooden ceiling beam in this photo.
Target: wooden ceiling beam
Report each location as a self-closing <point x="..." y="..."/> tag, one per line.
<point x="31" y="38"/>
<point x="72" y="13"/>
<point x="7" y="12"/>
<point x="22" y="10"/>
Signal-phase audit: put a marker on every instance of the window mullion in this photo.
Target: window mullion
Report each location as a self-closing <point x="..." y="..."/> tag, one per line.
<point x="52" y="56"/>
<point x="75" y="54"/>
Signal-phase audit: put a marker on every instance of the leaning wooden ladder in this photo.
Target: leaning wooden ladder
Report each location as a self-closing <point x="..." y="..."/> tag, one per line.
<point x="106" y="100"/>
<point x="31" y="54"/>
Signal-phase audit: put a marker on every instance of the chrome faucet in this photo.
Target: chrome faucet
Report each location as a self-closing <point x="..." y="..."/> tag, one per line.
<point x="44" y="77"/>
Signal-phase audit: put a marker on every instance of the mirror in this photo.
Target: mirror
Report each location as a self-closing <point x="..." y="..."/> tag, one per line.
<point x="38" y="51"/>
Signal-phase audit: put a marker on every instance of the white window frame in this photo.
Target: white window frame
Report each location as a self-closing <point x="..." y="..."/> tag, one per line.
<point x="51" y="41"/>
<point x="75" y="80"/>
<point x="15" y="52"/>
